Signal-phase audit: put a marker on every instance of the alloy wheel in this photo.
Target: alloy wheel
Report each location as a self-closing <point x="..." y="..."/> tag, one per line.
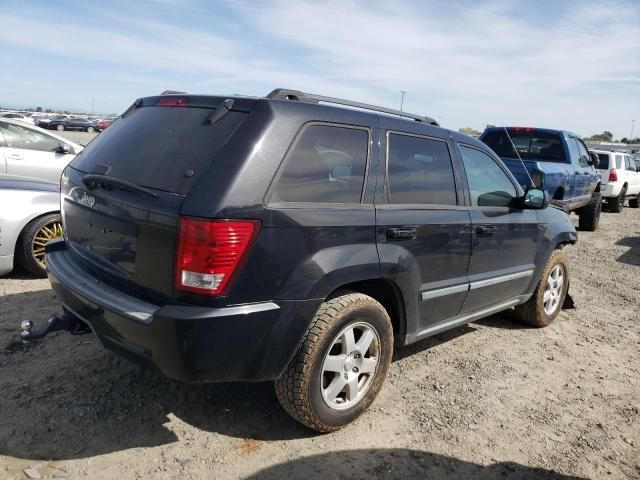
<point x="48" y="232"/>
<point x="553" y="290"/>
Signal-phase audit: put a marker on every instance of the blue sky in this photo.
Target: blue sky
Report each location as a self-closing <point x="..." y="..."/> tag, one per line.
<point x="557" y="64"/>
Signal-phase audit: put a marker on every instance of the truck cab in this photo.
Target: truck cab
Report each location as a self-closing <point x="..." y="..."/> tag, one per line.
<point x="554" y="160"/>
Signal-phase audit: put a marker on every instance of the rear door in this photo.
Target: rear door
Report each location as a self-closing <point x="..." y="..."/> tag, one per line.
<point x="634" y="177"/>
<point x="504" y="239"/>
<point x="423" y="227"/>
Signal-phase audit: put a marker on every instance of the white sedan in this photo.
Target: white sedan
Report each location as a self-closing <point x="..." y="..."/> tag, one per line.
<point x="29" y="218"/>
<point x="30" y="151"/>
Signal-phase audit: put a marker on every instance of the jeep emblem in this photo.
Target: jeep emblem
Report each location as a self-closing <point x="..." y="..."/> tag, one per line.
<point x="87" y="200"/>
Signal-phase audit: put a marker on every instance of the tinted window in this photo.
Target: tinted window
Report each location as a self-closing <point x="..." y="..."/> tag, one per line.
<point x="325" y="165"/>
<point x="155" y="146"/>
<point x="604" y="161"/>
<point x="420" y="171"/>
<point x="488" y="183"/>
<point x="19" y="137"/>
<point x="530" y="145"/>
<point x="630" y="165"/>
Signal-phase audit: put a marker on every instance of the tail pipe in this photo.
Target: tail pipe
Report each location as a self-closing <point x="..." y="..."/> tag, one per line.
<point x="54" y="323"/>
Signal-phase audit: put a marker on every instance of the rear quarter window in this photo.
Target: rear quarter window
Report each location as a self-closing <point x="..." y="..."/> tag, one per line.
<point x="604" y="161"/>
<point x="326" y="164"/>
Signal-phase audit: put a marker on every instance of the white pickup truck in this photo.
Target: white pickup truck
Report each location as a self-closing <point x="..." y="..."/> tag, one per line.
<point x="620" y="179"/>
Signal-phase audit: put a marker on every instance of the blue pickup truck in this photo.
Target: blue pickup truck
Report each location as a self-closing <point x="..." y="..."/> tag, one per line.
<point x="557" y="161"/>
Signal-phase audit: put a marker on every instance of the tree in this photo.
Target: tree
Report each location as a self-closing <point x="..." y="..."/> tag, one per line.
<point x="38" y="109"/>
<point x="472" y="132"/>
<point x="605" y="136"/>
<point x="624" y="140"/>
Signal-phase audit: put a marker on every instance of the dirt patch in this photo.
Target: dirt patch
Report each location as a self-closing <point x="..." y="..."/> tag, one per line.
<point x="492" y="399"/>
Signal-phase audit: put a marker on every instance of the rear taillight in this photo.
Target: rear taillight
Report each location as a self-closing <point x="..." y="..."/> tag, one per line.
<point x="522" y="129"/>
<point x="210" y="252"/>
<point x="172" y="102"/>
<point x="613" y="175"/>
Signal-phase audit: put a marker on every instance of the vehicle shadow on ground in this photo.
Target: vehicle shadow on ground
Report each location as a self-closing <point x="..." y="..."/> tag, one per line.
<point x="631" y="256"/>
<point x="400" y="463"/>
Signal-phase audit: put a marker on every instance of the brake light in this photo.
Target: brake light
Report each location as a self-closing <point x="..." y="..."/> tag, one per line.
<point x="522" y="129"/>
<point x="613" y="175"/>
<point x="172" y="102"/>
<point x="210" y="253"/>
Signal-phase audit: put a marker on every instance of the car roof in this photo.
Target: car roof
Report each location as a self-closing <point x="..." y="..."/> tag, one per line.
<point x="29" y="126"/>
<point x="537" y="129"/>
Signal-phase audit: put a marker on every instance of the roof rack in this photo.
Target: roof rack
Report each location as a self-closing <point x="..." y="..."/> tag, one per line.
<point x="296" y="95"/>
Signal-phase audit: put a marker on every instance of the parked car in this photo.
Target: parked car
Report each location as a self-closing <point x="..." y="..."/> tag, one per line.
<point x="620" y="179"/>
<point x="33" y="152"/>
<point x="73" y="123"/>
<point x="29" y="218"/>
<point x="17" y="116"/>
<point x="104" y="124"/>
<point x="555" y="160"/>
<point x="278" y="238"/>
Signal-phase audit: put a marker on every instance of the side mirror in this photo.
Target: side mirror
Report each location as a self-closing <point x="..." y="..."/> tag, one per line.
<point x="535" y="199"/>
<point x="341" y="173"/>
<point x="64" y="148"/>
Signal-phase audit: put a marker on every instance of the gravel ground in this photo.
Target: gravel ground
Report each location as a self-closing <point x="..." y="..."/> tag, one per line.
<point x="489" y="400"/>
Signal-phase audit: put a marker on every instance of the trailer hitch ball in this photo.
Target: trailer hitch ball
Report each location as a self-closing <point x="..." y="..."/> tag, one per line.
<point x="26" y="326"/>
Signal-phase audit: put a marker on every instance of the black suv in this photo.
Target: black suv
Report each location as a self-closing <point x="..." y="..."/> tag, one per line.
<point x="286" y="238"/>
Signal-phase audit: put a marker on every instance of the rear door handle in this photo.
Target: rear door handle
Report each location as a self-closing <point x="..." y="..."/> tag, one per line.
<point x="15" y="156"/>
<point x="485" y="230"/>
<point x="400" y="233"/>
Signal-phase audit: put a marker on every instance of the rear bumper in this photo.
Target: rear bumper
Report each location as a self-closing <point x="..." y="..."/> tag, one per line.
<point x="610" y="190"/>
<point x="251" y="342"/>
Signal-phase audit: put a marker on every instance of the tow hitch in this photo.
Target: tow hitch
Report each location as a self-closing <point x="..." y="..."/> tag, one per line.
<point x="54" y="323"/>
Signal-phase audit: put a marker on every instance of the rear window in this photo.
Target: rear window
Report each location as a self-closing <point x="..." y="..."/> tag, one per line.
<point x="163" y="148"/>
<point x="604" y="161"/>
<point x="530" y="145"/>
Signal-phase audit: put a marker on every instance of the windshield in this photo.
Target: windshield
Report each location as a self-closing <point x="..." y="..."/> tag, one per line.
<point x="164" y="148"/>
<point x="530" y="145"/>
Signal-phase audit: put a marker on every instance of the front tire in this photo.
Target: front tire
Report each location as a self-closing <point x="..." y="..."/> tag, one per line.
<point x="546" y="303"/>
<point x="590" y="213"/>
<point x="340" y="366"/>
<point x="634" y="202"/>
<point x="30" y="249"/>
<point x="90" y="130"/>
<point x="60" y="128"/>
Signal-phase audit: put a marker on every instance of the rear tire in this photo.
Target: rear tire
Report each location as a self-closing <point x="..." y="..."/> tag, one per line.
<point x="634" y="202"/>
<point x="617" y="203"/>
<point x="332" y="360"/>
<point x="546" y="303"/>
<point x="590" y="213"/>
<point x="30" y="248"/>
<point x="90" y="130"/>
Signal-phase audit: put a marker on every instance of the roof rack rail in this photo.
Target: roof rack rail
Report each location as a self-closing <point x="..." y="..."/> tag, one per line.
<point x="296" y="95"/>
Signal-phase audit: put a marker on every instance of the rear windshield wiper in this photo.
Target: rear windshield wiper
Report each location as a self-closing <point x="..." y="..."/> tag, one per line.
<point x="92" y="180"/>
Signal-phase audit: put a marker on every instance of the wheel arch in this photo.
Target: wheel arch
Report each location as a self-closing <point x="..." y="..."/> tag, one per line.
<point x="27" y="221"/>
<point x="387" y="293"/>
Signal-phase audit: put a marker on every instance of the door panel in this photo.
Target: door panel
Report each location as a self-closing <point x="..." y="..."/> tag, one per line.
<point x="504" y="239"/>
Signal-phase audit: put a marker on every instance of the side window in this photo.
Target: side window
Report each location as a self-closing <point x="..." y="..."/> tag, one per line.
<point x="489" y="185"/>
<point x="325" y="165"/>
<point x="584" y="154"/>
<point x="573" y="150"/>
<point x="419" y="171"/>
<point x="19" y="137"/>
<point x="619" y="162"/>
<point x="628" y="163"/>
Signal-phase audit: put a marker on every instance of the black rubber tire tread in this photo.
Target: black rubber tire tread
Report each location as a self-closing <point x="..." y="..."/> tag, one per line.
<point x="292" y="386"/>
<point x="616" y="204"/>
<point x="532" y="312"/>
<point x="590" y="213"/>
<point x="23" y="248"/>
<point x="634" y="202"/>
